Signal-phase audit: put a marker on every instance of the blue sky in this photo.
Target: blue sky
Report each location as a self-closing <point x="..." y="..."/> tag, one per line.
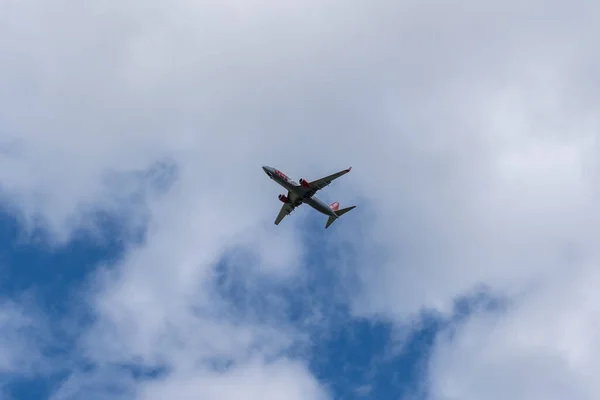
<point x="347" y="355"/>
<point x="355" y="358"/>
<point x="52" y="279"/>
<point x="137" y="246"/>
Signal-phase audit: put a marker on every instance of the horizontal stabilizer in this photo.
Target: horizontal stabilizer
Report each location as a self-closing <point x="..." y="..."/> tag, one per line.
<point x="344" y="210"/>
<point x="339" y="213"/>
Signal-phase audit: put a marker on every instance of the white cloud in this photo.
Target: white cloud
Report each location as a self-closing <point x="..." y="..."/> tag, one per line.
<point x="254" y="380"/>
<point x="16" y="337"/>
<point x="25" y="342"/>
<point x="544" y="346"/>
<point x="471" y="128"/>
<point x="96" y="385"/>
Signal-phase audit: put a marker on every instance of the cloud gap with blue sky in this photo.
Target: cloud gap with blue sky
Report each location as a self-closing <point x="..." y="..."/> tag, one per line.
<point x="355" y="358"/>
<point x="138" y="254"/>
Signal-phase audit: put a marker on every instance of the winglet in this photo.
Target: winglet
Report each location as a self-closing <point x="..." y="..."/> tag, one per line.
<point x="349" y="168"/>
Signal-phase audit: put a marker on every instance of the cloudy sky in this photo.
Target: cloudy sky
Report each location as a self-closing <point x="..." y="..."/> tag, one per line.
<point x="138" y="254"/>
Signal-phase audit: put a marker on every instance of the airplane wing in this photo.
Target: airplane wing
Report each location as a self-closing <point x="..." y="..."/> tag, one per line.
<point x="321" y="183"/>
<point x="287" y="208"/>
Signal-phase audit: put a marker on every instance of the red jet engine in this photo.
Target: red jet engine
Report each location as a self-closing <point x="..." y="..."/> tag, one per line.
<point x="305" y="183"/>
<point x="284" y="198"/>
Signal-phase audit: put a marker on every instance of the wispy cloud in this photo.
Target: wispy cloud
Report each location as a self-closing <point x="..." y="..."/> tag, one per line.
<point x="472" y="130"/>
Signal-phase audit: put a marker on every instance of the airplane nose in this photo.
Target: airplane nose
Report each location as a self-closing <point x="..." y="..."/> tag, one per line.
<point x="266" y="169"/>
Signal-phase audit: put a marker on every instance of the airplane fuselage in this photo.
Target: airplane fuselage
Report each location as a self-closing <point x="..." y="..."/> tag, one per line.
<point x="294" y="187"/>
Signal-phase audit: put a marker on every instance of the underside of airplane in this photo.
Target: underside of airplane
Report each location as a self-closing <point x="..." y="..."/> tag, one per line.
<point x="304" y="191"/>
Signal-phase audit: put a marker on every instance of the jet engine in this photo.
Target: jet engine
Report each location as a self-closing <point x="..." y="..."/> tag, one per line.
<point x="305" y="183"/>
<point x="284" y="198"/>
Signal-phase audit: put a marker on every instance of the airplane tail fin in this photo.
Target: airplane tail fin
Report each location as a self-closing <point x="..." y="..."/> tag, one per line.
<point x="338" y="212"/>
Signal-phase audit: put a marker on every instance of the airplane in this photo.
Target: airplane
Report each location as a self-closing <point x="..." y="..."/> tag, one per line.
<point x="304" y="192"/>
